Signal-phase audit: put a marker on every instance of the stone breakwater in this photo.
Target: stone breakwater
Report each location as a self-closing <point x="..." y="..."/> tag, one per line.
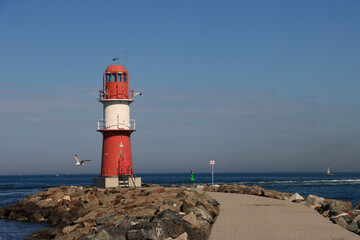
<point x="339" y="212"/>
<point x="126" y="214"/>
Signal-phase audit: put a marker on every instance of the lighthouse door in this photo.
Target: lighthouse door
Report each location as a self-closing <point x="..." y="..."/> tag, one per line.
<point x="119" y="170"/>
<point x="121" y="164"/>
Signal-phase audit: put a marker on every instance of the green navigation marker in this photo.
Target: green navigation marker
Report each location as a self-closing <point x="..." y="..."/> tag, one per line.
<point x="192" y="179"/>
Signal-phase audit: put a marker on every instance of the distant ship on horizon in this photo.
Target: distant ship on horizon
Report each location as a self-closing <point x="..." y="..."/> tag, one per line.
<point x="328" y="171"/>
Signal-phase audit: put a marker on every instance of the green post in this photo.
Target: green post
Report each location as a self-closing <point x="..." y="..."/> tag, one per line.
<point x="192" y="179"/>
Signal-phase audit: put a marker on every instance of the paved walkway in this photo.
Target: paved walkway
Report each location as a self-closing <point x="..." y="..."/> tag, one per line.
<point x="250" y="217"/>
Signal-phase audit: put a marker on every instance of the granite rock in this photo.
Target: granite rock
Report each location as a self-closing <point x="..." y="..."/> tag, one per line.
<point x="117" y="213"/>
<point x="295" y="197"/>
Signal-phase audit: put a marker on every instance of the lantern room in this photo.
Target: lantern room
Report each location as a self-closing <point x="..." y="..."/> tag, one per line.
<point x="115" y="83"/>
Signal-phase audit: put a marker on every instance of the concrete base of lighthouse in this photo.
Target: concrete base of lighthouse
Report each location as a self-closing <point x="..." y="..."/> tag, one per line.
<point x="115" y="181"/>
<point x="106" y="182"/>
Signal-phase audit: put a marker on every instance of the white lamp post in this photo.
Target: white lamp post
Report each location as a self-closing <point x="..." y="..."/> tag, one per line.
<point x="212" y="163"/>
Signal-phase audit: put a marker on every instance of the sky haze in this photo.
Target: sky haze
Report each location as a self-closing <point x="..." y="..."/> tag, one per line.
<point x="258" y="86"/>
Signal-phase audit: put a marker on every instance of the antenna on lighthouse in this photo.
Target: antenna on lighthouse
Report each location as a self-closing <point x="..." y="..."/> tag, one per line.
<point x="115" y="59"/>
<point x="126" y="55"/>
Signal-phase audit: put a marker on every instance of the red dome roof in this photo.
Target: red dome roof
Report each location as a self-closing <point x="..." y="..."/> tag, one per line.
<point x="115" y="68"/>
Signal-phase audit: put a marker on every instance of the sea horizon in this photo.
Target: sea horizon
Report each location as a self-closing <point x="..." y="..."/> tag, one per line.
<point x="342" y="186"/>
<point x="143" y="173"/>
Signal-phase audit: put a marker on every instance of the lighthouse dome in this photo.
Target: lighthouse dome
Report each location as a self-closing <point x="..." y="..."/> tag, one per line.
<point x="116" y="68"/>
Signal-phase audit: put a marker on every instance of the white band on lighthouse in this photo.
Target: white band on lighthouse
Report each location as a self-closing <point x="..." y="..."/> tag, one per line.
<point x="116" y="116"/>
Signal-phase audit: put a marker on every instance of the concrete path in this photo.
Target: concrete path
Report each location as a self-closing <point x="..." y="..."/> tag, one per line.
<point x="250" y="217"/>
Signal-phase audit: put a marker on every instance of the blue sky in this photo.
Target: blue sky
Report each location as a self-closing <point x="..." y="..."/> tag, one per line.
<point x="256" y="85"/>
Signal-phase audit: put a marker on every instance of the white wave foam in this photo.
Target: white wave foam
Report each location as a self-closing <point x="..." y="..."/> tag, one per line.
<point x="307" y="182"/>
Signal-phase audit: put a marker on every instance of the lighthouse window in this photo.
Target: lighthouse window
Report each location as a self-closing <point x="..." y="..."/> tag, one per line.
<point x="125" y="78"/>
<point x="120" y="77"/>
<point x="114" y="77"/>
<point x="108" y="77"/>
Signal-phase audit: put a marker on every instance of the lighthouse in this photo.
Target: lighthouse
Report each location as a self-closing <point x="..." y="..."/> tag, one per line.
<point x="116" y="128"/>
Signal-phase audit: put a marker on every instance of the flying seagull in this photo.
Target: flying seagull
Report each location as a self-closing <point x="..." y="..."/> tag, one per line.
<point x="80" y="162"/>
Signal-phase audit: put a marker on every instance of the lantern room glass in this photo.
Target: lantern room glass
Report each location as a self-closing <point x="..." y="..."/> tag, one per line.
<point x="108" y="77"/>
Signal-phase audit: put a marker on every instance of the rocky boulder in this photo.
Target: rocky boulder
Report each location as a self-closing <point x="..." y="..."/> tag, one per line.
<point x="117" y="213"/>
<point x="335" y="207"/>
<point x="295" y="198"/>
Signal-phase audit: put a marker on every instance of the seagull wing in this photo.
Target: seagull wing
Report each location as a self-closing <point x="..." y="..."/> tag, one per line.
<point x="77" y="159"/>
<point x="83" y="161"/>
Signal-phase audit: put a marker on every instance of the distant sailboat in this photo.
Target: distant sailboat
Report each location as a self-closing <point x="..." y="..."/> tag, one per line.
<point x="328" y="171"/>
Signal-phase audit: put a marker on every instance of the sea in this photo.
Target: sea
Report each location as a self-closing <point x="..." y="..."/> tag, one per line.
<point x="341" y="186"/>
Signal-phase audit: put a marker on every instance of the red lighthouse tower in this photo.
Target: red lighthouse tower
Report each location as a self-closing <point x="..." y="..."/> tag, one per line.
<point x="116" y="127"/>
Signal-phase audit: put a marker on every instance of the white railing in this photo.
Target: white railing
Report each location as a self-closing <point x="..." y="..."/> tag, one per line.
<point x="105" y="95"/>
<point x="116" y="124"/>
